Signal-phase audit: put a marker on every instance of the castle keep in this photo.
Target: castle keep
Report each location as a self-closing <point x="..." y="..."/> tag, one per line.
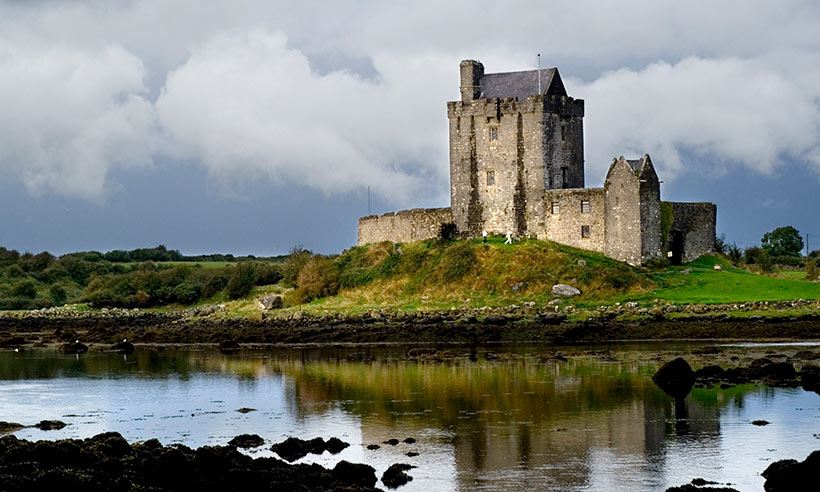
<point x="517" y="166"/>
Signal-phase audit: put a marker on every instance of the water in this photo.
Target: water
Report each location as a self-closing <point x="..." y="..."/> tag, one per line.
<point x="484" y="418"/>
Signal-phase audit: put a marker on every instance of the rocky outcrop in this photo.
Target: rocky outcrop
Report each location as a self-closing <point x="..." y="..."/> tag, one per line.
<point x="293" y="448"/>
<point x="792" y="475"/>
<point x="675" y="378"/>
<point x="564" y="290"/>
<point x="395" y="475"/>
<point x="108" y="462"/>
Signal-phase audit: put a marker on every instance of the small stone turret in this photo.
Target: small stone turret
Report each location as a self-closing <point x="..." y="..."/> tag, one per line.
<point x="471" y="73"/>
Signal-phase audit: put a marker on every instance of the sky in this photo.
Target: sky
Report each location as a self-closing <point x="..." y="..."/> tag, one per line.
<point x="251" y="126"/>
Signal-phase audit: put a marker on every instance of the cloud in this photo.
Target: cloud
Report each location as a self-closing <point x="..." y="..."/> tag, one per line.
<point x="727" y="113"/>
<point x="247" y="106"/>
<point x="69" y="115"/>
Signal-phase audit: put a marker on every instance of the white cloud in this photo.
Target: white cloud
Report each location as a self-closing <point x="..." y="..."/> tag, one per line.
<point x="727" y="112"/>
<point x="69" y="115"/>
<point x="248" y="105"/>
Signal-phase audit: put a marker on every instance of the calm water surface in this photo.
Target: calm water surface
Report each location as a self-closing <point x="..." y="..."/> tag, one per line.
<point x="484" y="418"/>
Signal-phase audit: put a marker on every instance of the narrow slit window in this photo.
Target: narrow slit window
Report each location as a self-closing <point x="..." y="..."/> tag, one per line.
<point x="563" y="133"/>
<point x="490" y="178"/>
<point x="585" y="206"/>
<point x="493" y="133"/>
<point x="585" y="231"/>
<point x="556" y="208"/>
<point x="564" y="181"/>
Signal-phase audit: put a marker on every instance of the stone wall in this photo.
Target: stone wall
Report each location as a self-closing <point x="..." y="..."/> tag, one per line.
<point x="405" y="226"/>
<point x="696" y="223"/>
<point x="504" y="153"/>
<point x="566" y="225"/>
<point x="622" y="214"/>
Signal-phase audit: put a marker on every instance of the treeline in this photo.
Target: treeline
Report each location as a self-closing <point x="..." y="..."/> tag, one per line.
<point x="135" y="278"/>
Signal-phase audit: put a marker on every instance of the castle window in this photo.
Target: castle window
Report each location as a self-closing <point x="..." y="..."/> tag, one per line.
<point x="493" y="133"/>
<point x="585" y="206"/>
<point x="490" y="178"/>
<point x="584" y="231"/>
<point x="563" y="133"/>
<point x="564" y="181"/>
<point x="556" y="208"/>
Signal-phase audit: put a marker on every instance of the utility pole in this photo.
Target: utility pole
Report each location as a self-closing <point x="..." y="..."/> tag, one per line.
<point x="807" y="245"/>
<point x="368" y="200"/>
<point x="539" y="73"/>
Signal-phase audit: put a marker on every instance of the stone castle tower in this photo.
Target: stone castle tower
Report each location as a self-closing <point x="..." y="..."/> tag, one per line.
<point x="512" y="137"/>
<point x="517" y="166"/>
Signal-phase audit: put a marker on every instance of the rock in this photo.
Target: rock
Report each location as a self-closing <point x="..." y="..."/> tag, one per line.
<point x="760" y="423"/>
<point x="355" y="473"/>
<point x="791" y="475"/>
<point x="269" y="302"/>
<point x="373" y="447"/>
<point x="74" y="348"/>
<point x="564" y="290"/>
<point x="395" y="475"/>
<point x="11" y="342"/>
<point x="709" y="374"/>
<point x="334" y="445"/>
<point x="392" y="442"/>
<point x="700" y="484"/>
<point x="686" y="271"/>
<point x="409" y="440"/>
<point x="246" y="441"/>
<point x="810" y="378"/>
<point x="675" y="378"/>
<point x="411" y="454"/>
<point x="246" y="410"/>
<point x="582" y="262"/>
<point x="7" y="427"/>
<point x="778" y="374"/>
<point x="124" y="347"/>
<point x="47" y="425"/>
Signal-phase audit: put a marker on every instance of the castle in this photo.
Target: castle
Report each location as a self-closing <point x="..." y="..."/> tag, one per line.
<point x="517" y="166"/>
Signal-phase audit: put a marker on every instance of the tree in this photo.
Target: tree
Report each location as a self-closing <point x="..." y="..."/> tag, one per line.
<point x="783" y="241"/>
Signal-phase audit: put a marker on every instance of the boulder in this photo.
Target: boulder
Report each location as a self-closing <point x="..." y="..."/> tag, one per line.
<point x="791" y="475"/>
<point x="267" y="303"/>
<point x="395" y="475"/>
<point x="564" y="290"/>
<point x="675" y="378"/>
<point x="75" y="347"/>
<point x="355" y="473"/>
<point x="124" y="347"/>
<point x="50" y="425"/>
<point x="246" y="441"/>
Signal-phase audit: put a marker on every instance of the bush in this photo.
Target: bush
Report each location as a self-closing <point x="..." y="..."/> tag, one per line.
<point x="318" y="278"/>
<point x="456" y="261"/>
<point x="267" y="274"/>
<point x="621" y="277"/>
<point x="735" y="254"/>
<point x="720" y="244"/>
<point x="25" y="289"/>
<point x="812" y="270"/>
<point x="14" y="271"/>
<point x="294" y="263"/>
<point x="794" y="261"/>
<point x="241" y="281"/>
<point x="754" y="255"/>
<point x="815" y="254"/>
<point x="57" y="293"/>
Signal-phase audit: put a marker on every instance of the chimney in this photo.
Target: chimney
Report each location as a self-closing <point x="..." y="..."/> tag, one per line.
<point x="471" y="73"/>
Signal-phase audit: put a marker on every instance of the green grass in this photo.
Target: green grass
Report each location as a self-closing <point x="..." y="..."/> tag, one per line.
<point x="705" y="285"/>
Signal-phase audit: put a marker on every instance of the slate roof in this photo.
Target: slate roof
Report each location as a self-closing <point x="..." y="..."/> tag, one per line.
<point x="521" y="84"/>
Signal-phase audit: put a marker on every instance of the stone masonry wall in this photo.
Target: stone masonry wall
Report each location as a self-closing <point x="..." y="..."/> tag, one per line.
<point x="622" y="215"/>
<point x="504" y="153"/>
<point x="403" y="227"/>
<point x="696" y="221"/>
<point x="565" y="226"/>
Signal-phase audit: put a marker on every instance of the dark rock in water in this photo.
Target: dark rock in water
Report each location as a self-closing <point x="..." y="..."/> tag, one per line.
<point x="692" y="487"/>
<point x="392" y="442"/>
<point x="11" y="342"/>
<point x="806" y="355"/>
<point x="412" y="454"/>
<point x="810" y="378"/>
<point x="675" y="378"/>
<point x="124" y="347"/>
<point x="791" y="475"/>
<point x="6" y="427"/>
<point x="409" y="440"/>
<point x="760" y="423"/>
<point x="760" y="362"/>
<point x="373" y="447"/>
<point x="334" y="445"/>
<point x="355" y="473"/>
<point x="74" y="348"/>
<point x="246" y="410"/>
<point x="108" y="463"/>
<point x="395" y="475"/>
<point x="246" y="441"/>
<point x="291" y="449"/>
<point x="709" y="374"/>
<point x="778" y="374"/>
<point x="50" y="425"/>
<point x="228" y="347"/>
<point x="65" y="335"/>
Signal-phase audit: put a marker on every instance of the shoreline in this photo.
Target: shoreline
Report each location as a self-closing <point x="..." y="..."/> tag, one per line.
<point x="779" y="321"/>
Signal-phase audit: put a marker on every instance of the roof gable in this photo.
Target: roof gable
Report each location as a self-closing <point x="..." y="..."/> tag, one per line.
<point x="521" y="84"/>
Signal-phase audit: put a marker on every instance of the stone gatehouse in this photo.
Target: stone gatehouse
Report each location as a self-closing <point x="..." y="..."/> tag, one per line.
<point x="517" y="166"/>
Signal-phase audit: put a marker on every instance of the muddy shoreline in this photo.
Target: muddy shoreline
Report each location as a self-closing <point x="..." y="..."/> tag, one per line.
<point x="38" y="329"/>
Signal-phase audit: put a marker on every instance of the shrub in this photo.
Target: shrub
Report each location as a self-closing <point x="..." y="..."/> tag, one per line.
<point x="241" y="281"/>
<point x="318" y="278"/>
<point x="57" y="293"/>
<point x="267" y="274"/>
<point x="815" y="254"/>
<point x="793" y="261"/>
<point x="812" y="270"/>
<point x="297" y="259"/>
<point x="25" y="289"/>
<point x="456" y="261"/>
<point x="14" y="271"/>
<point x="186" y="293"/>
<point x="754" y="255"/>
<point x="735" y="254"/>
<point x="621" y="277"/>
<point x="720" y="244"/>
